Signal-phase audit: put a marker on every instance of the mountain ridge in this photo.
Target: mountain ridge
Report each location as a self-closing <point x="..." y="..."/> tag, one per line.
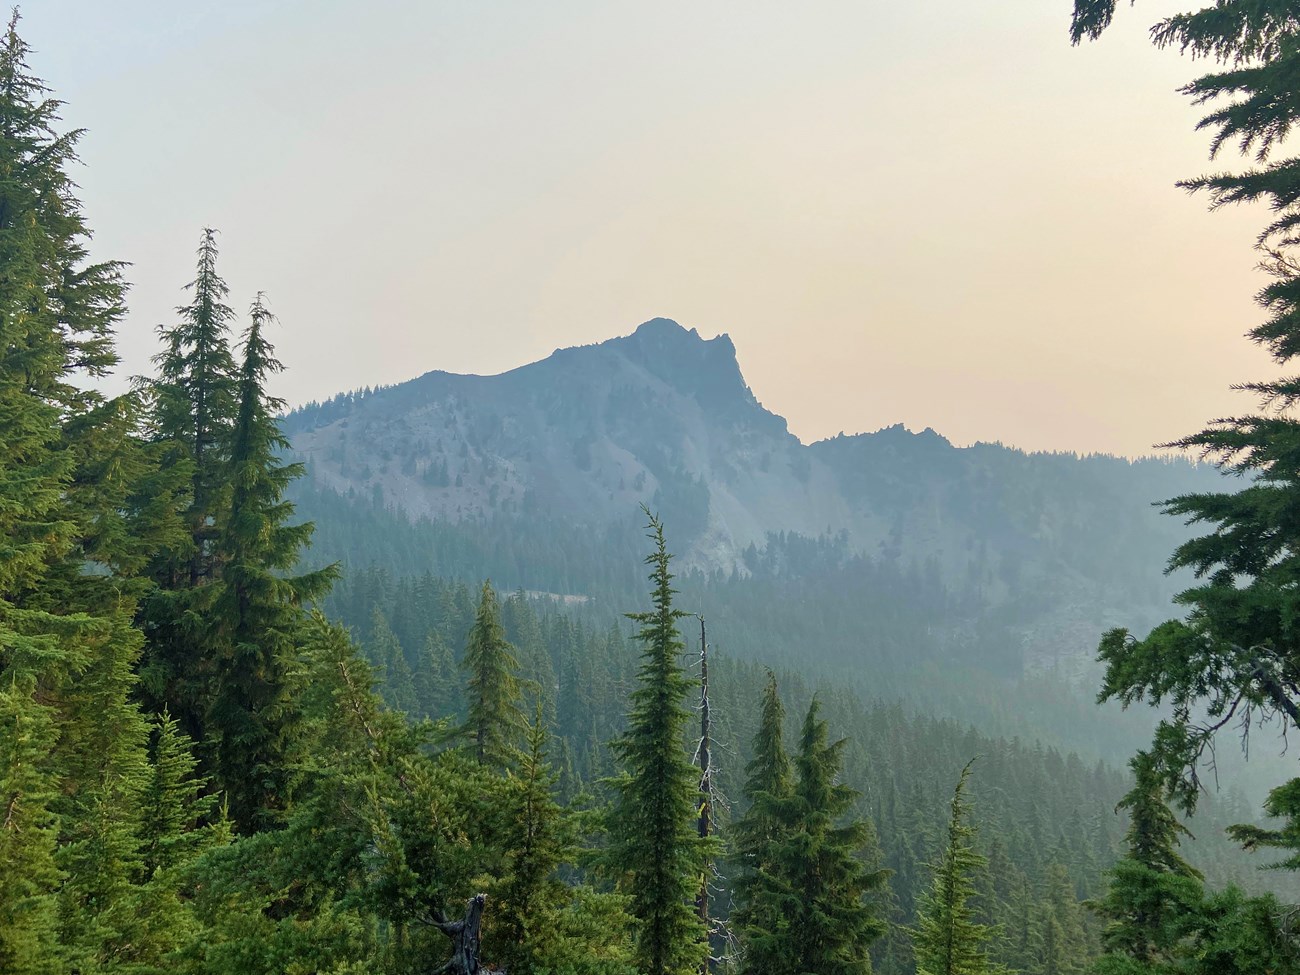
<point x="1045" y="543"/>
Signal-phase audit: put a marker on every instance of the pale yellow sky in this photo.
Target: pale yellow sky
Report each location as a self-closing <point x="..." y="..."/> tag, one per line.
<point x="936" y="213"/>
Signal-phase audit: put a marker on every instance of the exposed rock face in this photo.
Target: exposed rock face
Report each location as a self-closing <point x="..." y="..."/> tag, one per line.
<point x="660" y="416"/>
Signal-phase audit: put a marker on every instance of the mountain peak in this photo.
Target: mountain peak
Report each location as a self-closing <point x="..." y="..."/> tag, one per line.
<point x="663" y="327"/>
<point x="706" y="369"/>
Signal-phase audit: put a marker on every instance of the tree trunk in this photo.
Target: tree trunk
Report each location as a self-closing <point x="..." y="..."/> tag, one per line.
<point x="464" y="936"/>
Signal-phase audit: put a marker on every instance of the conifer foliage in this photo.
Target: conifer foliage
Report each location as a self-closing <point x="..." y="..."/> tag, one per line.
<point x="78" y="488"/>
<point x="1233" y="657"/>
<point x="759" y="919"/>
<point x="652" y="823"/>
<point x="803" y="905"/>
<point x="495" y="720"/>
<point x="948" y="940"/>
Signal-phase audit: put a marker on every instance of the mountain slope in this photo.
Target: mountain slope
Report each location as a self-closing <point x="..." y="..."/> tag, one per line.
<point x="545" y="466"/>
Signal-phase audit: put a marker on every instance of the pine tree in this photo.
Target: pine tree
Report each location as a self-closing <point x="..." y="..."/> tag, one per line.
<point x="257" y="610"/>
<point x="946" y="939"/>
<point x="652" y="823"/>
<point x="494" y="720"/>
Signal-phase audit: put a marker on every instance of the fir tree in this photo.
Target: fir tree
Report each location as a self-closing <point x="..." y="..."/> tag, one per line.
<point x="494" y="717"/>
<point x="818" y="865"/>
<point x="196" y="396"/>
<point x="652" y="823"/>
<point x="257" y="610"/>
<point x="69" y="465"/>
<point x="538" y="923"/>
<point x="759" y="920"/>
<point x="1153" y="890"/>
<point x="434" y="679"/>
<point x="1234" y="653"/>
<point x="946" y="939"/>
<point x="194" y="404"/>
<point x="389" y="660"/>
<point x="175" y="804"/>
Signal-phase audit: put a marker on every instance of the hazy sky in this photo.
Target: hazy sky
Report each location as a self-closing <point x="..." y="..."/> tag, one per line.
<point x="934" y="212"/>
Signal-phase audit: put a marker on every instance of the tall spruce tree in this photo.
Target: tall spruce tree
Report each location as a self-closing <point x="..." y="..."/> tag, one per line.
<point x="257" y="612"/>
<point x="654" y="842"/>
<point x="194" y="399"/>
<point x="947" y="940"/>
<point x="495" y="720"/>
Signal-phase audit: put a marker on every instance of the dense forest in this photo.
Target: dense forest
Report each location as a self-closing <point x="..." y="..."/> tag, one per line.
<point x="221" y="753"/>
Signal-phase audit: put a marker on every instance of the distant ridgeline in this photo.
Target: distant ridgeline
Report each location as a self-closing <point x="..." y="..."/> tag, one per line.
<point x="912" y="567"/>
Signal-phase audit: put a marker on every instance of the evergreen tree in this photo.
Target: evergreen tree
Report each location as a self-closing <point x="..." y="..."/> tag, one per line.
<point x="1234" y="653"/>
<point x="194" y="402"/>
<point x="1153" y="890"/>
<point x="257" y="610"/>
<point x="538" y="838"/>
<point x="494" y="717"/>
<point x="70" y="468"/>
<point x="947" y="940"/>
<point x="1066" y="948"/>
<point x="175" y="803"/>
<point x="652" y="822"/>
<point x="196" y="399"/>
<point x="389" y="660"/>
<point x="434" y="679"/>
<point x="823" y="882"/>
<point x="759" y="920"/>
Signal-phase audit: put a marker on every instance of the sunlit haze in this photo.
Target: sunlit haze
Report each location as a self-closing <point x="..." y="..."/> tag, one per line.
<point x="937" y="213"/>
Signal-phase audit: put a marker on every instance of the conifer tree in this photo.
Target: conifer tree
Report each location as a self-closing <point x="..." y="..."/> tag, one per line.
<point x="1234" y="653"/>
<point x="1063" y="916"/>
<point x="822" y="880"/>
<point x="389" y="660"/>
<point x="68" y="474"/>
<point x="537" y="922"/>
<point x="434" y="679"/>
<point x="759" y="919"/>
<point x="257" y="610"/>
<point x="175" y="804"/>
<point x="537" y="838"/>
<point x="494" y="719"/>
<point x="1153" y="890"/>
<point x="946" y="939"/>
<point x="652" y="823"/>
<point x="196" y="400"/>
